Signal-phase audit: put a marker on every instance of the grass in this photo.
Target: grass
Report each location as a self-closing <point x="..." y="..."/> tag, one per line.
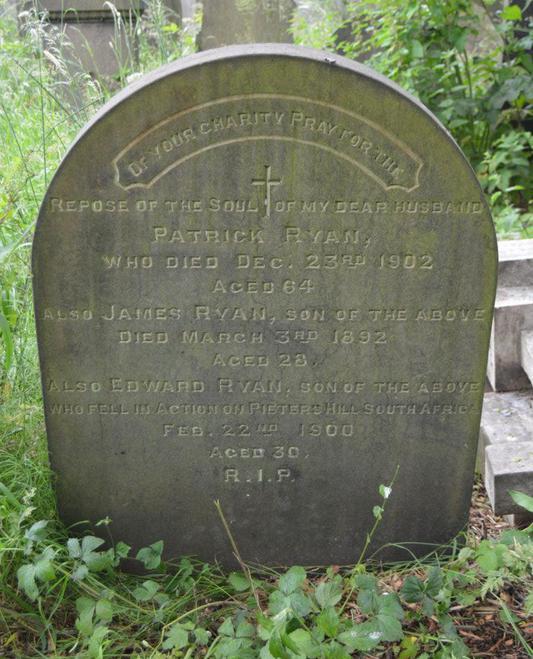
<point x="61" y="596"/>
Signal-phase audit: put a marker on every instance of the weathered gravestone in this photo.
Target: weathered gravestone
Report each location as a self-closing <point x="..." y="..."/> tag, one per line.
<point x="101" y="39"/>
<point x="264" y="276"/>
<point x="226" y="22"/>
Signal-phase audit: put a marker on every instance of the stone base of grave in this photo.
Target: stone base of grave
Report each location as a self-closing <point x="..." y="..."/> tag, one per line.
<point x="513" y="315"/>
<point x="506" y="451"/>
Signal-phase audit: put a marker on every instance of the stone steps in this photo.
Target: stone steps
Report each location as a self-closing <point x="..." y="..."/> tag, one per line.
<point x="506" y="434"/>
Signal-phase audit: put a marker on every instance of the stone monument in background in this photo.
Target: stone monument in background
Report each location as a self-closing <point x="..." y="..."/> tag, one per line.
<point x="228" y="22"/>
<point x="100" y="41"/>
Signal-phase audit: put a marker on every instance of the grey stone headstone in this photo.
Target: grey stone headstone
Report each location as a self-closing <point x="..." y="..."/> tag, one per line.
<point x="99" y="39"/>
<point x="264" y="275"/>
<point x="226" y="22"/>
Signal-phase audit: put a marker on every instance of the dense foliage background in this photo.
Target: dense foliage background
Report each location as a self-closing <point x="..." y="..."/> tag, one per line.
<point x="470" y="62"/>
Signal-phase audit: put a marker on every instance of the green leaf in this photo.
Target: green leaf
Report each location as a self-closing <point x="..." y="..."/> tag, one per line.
<point x="390" y="627"/>
<point x="84" y="622"/>
<point x="146" y="591"/>
<point x="104" y="610"/>
<point x="238" y="581"/>
<point x="201" y="635"/>
<point x="385" y="491"/>
<point x="80" y="573"/>
<point x="89" y="543"/>
<point x="489" y="556"/>
<point x="9" y="348"/>
<point x="434" y="581"/>
<point x="226" y="628"/>
<point x="74" y="548"/>
<point x="95" y="650"/>
<point x="328" y="621"/>
<point x="44" y="570"/>
<point x="512" y="13"/>
<point x="366" y="582"/>
<point x="522" y="499"/>
<point x="277" y="648"/>
<point x="292" y="579"/>
<point x="300" y="604"/>
<point x="303" y="641"/>
<point x="150" y="556"/>
<point x="170" y="28"/>
<point x="389" y="604"/>
<point x="177" y="637"/>
<point x="38" y="531"/>
<point x="122" y="550"/>
<point x="368" y="601"/>
<point x="26" y="580"/>
<point x="328" y="593"/>
<point x="362" y="638"/>
<point x="336" y="652"/>
<point x="245" y="630"/>
<point x="412" y="590"/>
<point x="417" y="49"/>
<point x="84" y="604"/>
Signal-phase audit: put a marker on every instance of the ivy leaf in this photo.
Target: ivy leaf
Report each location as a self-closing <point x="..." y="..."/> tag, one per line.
<point x="177" y="637"/>
<point x="292" y="580"/>
<point x="328" y="593"/>
<point x="26" y="580"/>
<point x="150" y="556"/>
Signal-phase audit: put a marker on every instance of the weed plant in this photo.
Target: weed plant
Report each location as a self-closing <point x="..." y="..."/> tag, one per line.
<point x="62" y="595"/>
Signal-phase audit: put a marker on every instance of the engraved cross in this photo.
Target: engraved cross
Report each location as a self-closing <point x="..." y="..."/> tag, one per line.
<point x="269" y="183"/>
